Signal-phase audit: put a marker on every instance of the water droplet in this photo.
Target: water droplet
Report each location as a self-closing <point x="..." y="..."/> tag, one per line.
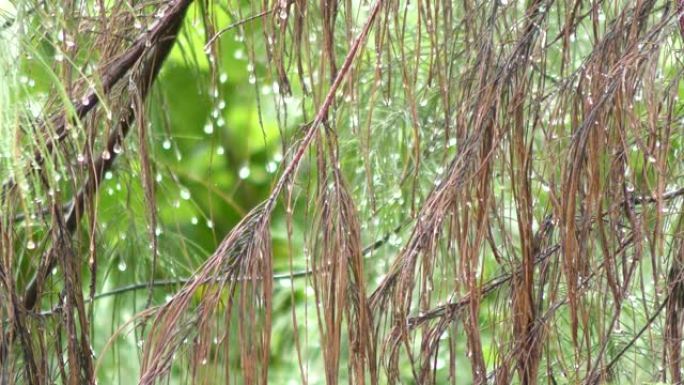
<point x="210" y="223"/>
<point x="109" y="175"/>
<point x="194" y="220"/>
<point x="185" y="194"/>
<point x="310" y="292"/>
<point x="221" y="105"/>
<point x="106" y="155"/>
<point x="85" y="100"/>
<point x="220" y="150"/>
<point x="30" y="245"/>
<point x="223" y="78"/>
<point x="122" y="265"/>
<point x="244" y="172"/>
<point x="59" y="57"/>
<point x="80" y="158"/>
<point x="166" y="144"/>
<point x="271" y="167"/>
<point x="252" y="79"/>
<point x="118" y="149"/>
<point x="283" y="14"/>
<point x="209" y="128"/>
<point x="394" y="240"/>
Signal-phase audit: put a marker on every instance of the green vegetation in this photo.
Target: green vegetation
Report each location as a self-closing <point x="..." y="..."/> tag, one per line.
<point x="362" y="192"/>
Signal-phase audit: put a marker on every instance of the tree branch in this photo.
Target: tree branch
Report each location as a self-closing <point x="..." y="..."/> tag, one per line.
<point x="161" y="38"/>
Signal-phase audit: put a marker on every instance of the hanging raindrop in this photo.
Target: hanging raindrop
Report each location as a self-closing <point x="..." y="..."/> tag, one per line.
<point x="244" y="172"/>
<point x="185" y="194"/>
<point x="209" y="128"/>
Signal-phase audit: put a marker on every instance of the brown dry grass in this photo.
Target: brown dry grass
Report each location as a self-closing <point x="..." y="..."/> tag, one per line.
<point x="526" y="107"/>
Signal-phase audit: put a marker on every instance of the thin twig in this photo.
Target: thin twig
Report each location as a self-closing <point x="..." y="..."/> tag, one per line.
<point x="278" y="277"/>
<point x="235" y="25"/>
<point x="636" y="337"/>
<point x="162" y="38"/>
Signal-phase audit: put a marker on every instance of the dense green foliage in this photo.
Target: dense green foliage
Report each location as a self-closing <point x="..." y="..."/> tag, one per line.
<point x="489" y="192"/>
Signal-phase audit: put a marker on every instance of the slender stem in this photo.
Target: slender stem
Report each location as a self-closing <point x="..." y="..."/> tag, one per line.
<point x="278" y="277"/>
<point x="162" y="38"/>
<point x="235" y="25"/>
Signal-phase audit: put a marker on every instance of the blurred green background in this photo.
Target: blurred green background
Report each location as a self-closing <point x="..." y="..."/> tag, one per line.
<point x="220" y="130"/>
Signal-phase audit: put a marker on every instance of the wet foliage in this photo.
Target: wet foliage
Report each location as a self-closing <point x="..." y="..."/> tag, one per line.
<point x="363" y="192"/>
